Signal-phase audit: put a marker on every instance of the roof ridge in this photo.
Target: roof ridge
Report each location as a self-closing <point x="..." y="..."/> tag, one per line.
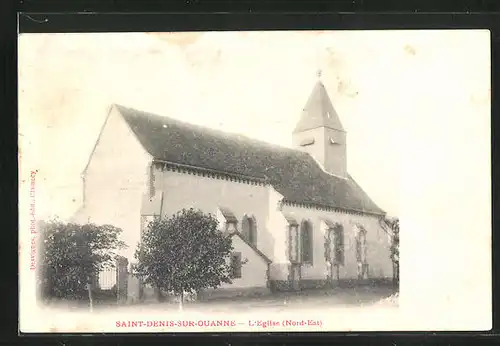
<point x="227" y="134"/>
<point x="293" y="173"/>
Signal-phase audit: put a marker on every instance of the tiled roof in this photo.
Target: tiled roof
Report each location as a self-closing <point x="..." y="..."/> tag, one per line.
<point x="319" y="112"/>
<point x="291" y="220"/>
<point x="252" y="246"/>
<point x="294" y="174"/>
<point x="329" y="223"/>
<point x="228" y="214"/>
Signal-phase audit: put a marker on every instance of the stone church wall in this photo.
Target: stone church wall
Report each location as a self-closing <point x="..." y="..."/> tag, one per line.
<point x="254" y="275"/>
<point x="183" y="190"/>
<point x="378" y="245"/>
<point x="115" y="181"/>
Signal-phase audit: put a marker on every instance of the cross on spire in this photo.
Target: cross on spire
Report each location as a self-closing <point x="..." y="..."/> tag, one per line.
<point x="318" y="73"/>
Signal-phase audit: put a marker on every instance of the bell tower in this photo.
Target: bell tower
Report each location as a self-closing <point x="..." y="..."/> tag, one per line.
<point x="320" y="133"/>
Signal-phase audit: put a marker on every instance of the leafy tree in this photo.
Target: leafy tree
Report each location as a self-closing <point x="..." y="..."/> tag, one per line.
<point x="72" y="255"/>
<point x="184" y="253"/>
<point x="394" y="225"/>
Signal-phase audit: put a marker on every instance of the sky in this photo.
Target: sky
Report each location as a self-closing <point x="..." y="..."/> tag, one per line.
<point x="254" y="83"/>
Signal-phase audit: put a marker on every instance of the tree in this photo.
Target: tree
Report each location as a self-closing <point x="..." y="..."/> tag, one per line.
<point x="394" y="225"/>
<point x="72" y="255"/>
<point x="184" y="253"/>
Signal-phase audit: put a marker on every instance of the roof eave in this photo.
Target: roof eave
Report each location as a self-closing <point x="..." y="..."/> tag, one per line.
<point x="208" y="170"/>
<point x="253" y="247"/>
<point x="381" y="213"/>
<point x="299" y="129"/>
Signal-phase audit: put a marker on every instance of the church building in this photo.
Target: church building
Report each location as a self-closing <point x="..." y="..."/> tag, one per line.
<point x="297" y="218"/>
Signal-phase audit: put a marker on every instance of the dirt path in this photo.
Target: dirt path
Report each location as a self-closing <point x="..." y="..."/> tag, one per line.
<point x="311" y="299"/>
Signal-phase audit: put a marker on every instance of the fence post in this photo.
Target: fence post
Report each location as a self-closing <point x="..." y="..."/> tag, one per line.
<point x="121" y="279"/>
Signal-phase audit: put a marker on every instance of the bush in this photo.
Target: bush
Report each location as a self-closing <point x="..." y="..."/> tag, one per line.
<point x="72" y="256"/>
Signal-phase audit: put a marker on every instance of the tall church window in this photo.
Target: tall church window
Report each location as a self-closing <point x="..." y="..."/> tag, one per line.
<point x="306" y="234"/>
<point x="361" y="252"/>
<point x="294" y="245"/>
<point x="338" y="244"/>
<point x="249" y="229"/>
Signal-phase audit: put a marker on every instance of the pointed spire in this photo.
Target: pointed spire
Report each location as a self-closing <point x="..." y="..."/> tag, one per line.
<point x="319" y="111"/>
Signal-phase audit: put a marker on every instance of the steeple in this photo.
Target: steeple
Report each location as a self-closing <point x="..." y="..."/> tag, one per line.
<point x="318" y="111"/>
<point x="320" y="133"/>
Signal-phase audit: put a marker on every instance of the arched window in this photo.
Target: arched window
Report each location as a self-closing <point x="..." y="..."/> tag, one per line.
<point x="338" y="244"/>
<point x="361" y="251"/>
<point x="294" y="245"/>
<point x="334" y="248"/>
<point x="249" y="229"/>
<point x="306" y="240"/>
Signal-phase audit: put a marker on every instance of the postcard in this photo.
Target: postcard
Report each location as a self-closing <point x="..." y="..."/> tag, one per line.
<point x="254" y="181"/>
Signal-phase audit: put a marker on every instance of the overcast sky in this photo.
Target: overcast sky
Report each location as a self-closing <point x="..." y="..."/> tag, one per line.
<point x="398" y="94"/>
